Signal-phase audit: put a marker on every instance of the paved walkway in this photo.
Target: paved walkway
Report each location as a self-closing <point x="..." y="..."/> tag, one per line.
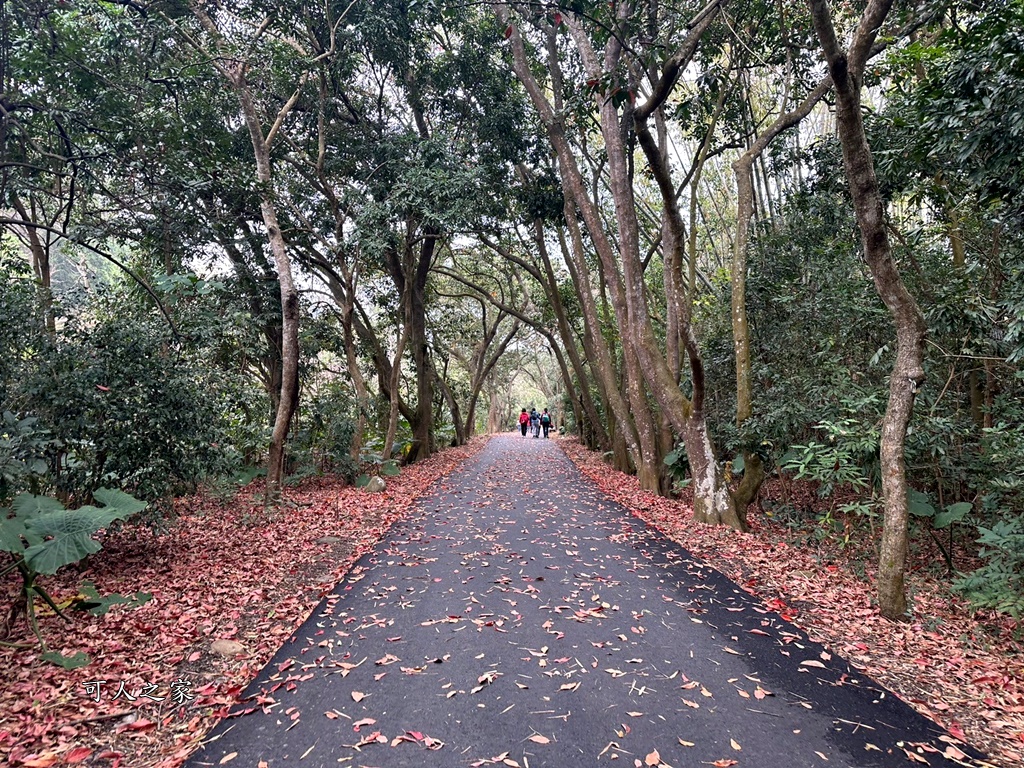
<point x="519" y="617"/>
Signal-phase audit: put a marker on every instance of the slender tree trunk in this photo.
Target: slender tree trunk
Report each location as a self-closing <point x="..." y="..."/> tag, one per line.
<point x="651" y="468"/>
<point x="355" y="373"/>
<point x="907" y="375"/>
<point x="289" y="397"/>
<point x="569" y="343"/>
<point x="453" y="408"/>
<point x="486" y="365"/>
<point x="423" y="423"/>
<point x="599" y="353"/>
<point x="494" y="412"/>
<point x="234" y="72"/>
<point x="713" y="500"/>
<point x="396" y="374"/>
<point x="573" y="183"/>
<point x="40" y="266"/>
<point x="753" y="473"/>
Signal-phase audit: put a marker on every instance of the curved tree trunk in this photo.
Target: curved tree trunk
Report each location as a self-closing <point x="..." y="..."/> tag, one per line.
<point x="577" y="195"/>
<point x="289" y="398"/>
<point x="453" y="408"/>
<point x="234" y="71"/>
<point x="743" y="168"/>
<point x="847" y="70"/>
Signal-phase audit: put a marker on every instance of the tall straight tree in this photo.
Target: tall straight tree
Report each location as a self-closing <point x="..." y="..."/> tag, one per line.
<point x="235" y="63"/>
<point x="847" y="70"/>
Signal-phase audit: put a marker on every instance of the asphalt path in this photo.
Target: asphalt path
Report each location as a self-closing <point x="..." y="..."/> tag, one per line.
<point x="518" y="616"/>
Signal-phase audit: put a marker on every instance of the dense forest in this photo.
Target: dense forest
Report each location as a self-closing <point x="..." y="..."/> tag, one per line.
<point x="721" y="241"/>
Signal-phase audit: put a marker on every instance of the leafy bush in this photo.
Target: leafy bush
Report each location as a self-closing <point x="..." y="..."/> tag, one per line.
<point x="23" y="452"/>
<point x="125" y="408"/>
<point x="324" y="441"/>
<point x="849" y="458"/>
<point x="20" y="331"/>
<point x="999" y="584"/>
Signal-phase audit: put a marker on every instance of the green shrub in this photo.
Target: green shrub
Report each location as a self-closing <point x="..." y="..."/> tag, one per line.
<point x="323" y="443"/>
<point x="999" y="584"/>
<point x="24" y="445"/>
<point x="125" y="409"/>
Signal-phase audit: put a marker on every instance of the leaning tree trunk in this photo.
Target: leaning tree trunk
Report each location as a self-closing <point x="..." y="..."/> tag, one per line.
<point x="847" y="69"/>
<point x="234" y="71"/>
<point x="574" y="187"/>
<point x="289" y="398"/>
<point x="710" y="488"/>
<point x="753" y="474"/>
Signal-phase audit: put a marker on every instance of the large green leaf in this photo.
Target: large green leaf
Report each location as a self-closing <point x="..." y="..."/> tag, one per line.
<point x="11" y="531"/>
<point x="72" y="537"/>
<point x="112" y="497"/>
<point x="954" y="513"/>
<point x="27" y="506"/>
<point x="917" y="504"/>
<point x="76" y="660"/>
<point x="98" y="604"/>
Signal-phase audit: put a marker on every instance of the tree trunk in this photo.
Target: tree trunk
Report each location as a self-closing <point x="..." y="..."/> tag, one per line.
<point x="712" y="496"/>
<point x="712" y="501"/>
<point x="572" y="181"/>
<point x="907" y="375"/>
<point x="453" y="407"/>
<point x="423" y="419"/>
<point x="40" y="266"/>
<point x="289" y="396"/>
<point x="396" y="374"/>
<point x="600" y="434"/>
<point x="362" y="393"/>
<point x="753" y="473"/>
<point x="494" y="414"/>
<point x="485" y="365"/>
<point x="233" y="71"/>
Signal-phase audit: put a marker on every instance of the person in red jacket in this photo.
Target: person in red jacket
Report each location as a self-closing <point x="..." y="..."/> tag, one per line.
<point x="524" y="422"/>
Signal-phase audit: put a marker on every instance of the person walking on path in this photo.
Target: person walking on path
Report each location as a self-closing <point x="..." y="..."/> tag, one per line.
<point x="545" y="422"/>
<point x="524" y="422"/>
<point x="535" y="422"/>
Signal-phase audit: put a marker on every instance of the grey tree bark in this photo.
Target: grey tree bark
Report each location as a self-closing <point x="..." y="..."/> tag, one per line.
<point x="847" y="70"/>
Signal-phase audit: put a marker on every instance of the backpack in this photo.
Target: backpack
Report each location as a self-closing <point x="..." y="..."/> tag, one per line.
<point x="545" y="419"/>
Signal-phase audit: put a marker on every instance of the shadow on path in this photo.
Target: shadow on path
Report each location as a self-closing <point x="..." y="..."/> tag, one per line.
<point x="519" y="617"/>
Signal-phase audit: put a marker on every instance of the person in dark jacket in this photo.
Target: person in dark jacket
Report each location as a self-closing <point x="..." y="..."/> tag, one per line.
<point x="545" y="422"/>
